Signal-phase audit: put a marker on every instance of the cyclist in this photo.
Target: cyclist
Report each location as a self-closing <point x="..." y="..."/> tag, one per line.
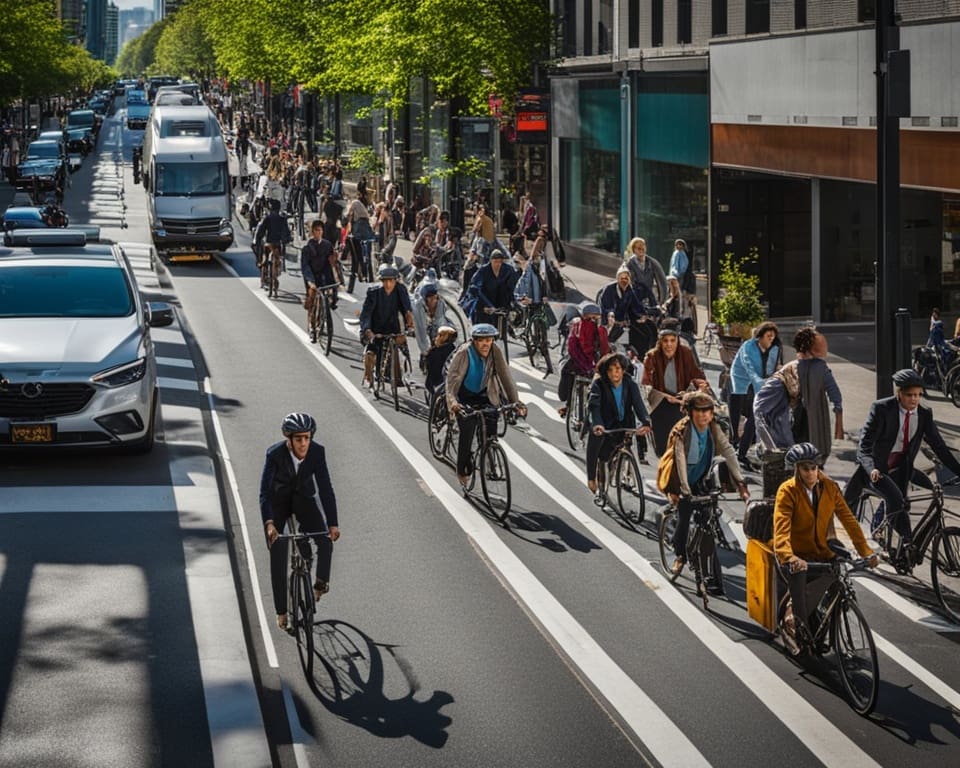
<point x="275" y="231"/>
<point x="296" y="483"/>
<point x="686" y="463"/>
<point x="614" y="402"/>
<point x="491" y="288"/>
<point x="757" y="359"/>
<point x="529" y="289"/>
<point x="429" y="313"/>
<point x="360" y="231"/>
<point x="477" y="374"/>
<point x="437" y="358"/>
<point x="379" y="315"/>
<point x="317" y="269"/>
<point x="645" y="270"/>
<point x="586" y="343"/>
<point x="633" y="306"/>
<point x="889" y="443"/>
<point x="802" y="520"/>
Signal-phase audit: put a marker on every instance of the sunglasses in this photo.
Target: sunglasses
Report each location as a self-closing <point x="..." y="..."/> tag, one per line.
<point x="703" y="408"/>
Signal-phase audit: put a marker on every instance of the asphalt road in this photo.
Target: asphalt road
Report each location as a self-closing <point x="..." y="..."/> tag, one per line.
<point x="447" y="638"/>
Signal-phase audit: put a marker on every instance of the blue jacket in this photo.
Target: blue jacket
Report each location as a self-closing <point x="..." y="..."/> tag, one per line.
<point x="525" y="285"/>
<point x="490" y="290"/>
<point x="679" y="262"/>
<point x="748" y="368"/>
<point x="629" y="305"/>
<point x="603" y="408"/>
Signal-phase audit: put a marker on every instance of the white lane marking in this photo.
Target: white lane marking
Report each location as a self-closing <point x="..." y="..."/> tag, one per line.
<point x="244" y="531"/>
<point x="298" y="735"/>
<point x="830" y="745"/>
<point x="522" y="385"/>
<point x="166" y="382"/>
<point x="88" y="498"/>
<point x="237" y="733"/>
<point x="910" y="610"/>
<point x="924" y="675"/>
<point x="168" y="335"/>
<point x="177" y="362"/>
<point x="526" y="368"/>
<point x="549" y="410"/>
<point x="549" y="394"/>
<point x="653" y="728"/>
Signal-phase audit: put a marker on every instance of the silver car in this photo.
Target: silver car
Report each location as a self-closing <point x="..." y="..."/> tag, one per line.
<point x="77" y="363"/>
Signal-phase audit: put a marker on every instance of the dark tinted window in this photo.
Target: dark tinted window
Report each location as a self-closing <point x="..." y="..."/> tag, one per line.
<point x="43" y="149"/>
<point x="656" y="22"/>
<point x="684" y="21"/>
<point x="758" y="16"/>
<point x="64" y="291"/>
<point x="80" y="119"/>
<point x="191" y="179"/>
<point x="719" y="16"/>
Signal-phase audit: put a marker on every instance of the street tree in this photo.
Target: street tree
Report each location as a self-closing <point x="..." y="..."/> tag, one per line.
<point x="184" y="46"/>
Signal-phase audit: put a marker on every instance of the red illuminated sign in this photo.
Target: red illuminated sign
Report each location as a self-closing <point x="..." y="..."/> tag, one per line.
<point x="531" y="121"/>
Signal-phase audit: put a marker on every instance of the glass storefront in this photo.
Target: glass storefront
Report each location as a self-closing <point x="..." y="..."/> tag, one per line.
<point x="590" y="185"/>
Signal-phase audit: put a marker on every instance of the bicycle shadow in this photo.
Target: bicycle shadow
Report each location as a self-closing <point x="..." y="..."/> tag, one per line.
<point x="352" y="675"/>
<point x="563" y="537"/>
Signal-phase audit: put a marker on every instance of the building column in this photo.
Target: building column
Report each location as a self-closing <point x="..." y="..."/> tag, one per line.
<point x="815" y="308"/>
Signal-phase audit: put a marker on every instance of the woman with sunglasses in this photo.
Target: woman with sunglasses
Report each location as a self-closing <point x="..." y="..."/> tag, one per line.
<point x="694" y="441"/>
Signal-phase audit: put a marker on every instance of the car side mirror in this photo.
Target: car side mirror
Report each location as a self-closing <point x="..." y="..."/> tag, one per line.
<point x="159" y="314"/>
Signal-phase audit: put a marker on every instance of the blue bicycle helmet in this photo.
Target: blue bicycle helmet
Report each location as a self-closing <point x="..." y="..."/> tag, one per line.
<point x="298" y="422"/>
<point x="801" y="452"/>
<point x="907" y="377"/>
<point x="387" y="272"/>
<point x="483" y="331"/>
<point x="589" y="308"/>
<point x="428" y="289"/>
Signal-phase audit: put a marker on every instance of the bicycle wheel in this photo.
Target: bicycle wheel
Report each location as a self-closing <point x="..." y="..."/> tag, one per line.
<point x="945" y="571"/>
<point x="394" y="361"/>
<point x="495" y="479"/>
<point x="630" y="500"/>
<point x="543" y="344"/>
<point x="455" y="318"/>
<point x="668" y="526"/>
<point x="575" y="409"/>
<point x="438" y="426"/>
<point x="325" y="332"/>
<point x="856" y="656"/>
<point x="302" y="619"/>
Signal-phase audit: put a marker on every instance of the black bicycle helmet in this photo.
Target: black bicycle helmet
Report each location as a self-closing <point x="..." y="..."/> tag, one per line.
<point x="907" y="377"/>
<point x="298" y="422"/>
<point x="801" y="452"/>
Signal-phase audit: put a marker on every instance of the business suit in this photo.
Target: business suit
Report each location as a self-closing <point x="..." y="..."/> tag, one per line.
<point x="881" y="436"/>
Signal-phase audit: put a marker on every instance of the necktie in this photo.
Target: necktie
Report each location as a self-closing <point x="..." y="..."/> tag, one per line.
<point x="906" y="433"/>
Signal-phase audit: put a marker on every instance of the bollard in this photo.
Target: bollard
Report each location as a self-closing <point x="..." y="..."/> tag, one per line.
<point x="901" y="350"/>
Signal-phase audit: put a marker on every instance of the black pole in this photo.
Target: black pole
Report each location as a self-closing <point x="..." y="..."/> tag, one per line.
<point x="888" y="199"/>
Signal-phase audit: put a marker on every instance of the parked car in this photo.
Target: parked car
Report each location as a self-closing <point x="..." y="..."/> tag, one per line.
<point x="79" y="366"/>
<point x="81" y="130"/>
<point x="33" y="217"/>
<point x="43" y="168"/>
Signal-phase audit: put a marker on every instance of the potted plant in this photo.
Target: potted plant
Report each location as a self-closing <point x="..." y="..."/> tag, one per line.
<point x="738" y="307"/>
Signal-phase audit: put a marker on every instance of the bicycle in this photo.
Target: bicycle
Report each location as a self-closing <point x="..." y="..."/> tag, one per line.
<point x="930" y="531"/>
<point x="443" y="431"/>
<point x="488" y="459"/>
<point x="392" y="367"/>
<point x="499" y="319"/>
<point x="320" y="317"/>
<point x="710" y="338"/>
<point x="839" y="614"/>
<point x="302" y="603"/>
<point x="704" y="537"/>
<point x="534" y="334"/>
<point x="271" y="265"/>
<point x="622" y="472"/>
<point x="576" y="416"/>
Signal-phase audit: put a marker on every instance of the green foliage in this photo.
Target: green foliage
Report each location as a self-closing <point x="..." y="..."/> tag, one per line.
<point x="36" y="57"/>
<point x="469" y="168"/>
<point x="739" y="301"/>
<point x="137" y="55"/>
<point x="365" y="160"/>
<point x="184" y="47"/>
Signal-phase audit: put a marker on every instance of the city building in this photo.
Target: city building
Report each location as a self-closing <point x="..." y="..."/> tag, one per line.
<point x="749" y="126"/>
<point x="111" y="34"/>
<point x="96" y="38"/>
<point x="133" y="23"/>
<point x="73" y="14"/>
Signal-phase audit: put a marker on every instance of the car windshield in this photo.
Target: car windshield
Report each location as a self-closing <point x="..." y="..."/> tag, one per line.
<point x="191" y="179"/>
<point x="80" y="119"/>
<point x="64" y="291"/>
<point x="136" y="97"/>
<point x="43" y="150"/>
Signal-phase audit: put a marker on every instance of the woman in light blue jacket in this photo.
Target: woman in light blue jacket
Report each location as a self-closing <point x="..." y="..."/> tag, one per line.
<point x="757" y="359"/>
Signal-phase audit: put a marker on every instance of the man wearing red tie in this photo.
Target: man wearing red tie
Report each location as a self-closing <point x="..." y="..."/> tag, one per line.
<point x="889" y="443"/>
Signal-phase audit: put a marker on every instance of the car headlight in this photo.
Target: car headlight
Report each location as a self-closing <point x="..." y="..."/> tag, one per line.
<point x="226" y="228"/>
<point x="122" y="374"/>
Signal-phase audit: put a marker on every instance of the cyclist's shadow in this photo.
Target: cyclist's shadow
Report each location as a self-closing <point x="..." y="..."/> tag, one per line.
<point x="351" y="675"/>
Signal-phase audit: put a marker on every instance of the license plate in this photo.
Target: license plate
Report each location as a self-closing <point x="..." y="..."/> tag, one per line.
<point x="31" y="433"/>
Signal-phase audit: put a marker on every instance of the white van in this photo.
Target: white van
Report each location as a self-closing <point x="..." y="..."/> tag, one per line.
<point x="187" y="179"/>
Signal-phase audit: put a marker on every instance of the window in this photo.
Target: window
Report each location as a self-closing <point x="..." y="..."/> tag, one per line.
<point x="684" y="21"/>
<point x="866" y="10"/>
<point x="588" y="29"/>
<point x="758" y="16"/>
<point x="800" y="14"/>
<point x="719" y="16"/>
<point x="60" y="291"/>
<point x="656" y="21"/>
<point x="569" y="28"/>
<point x="191" y="179"/>
<point x="633" y="24"/>
<point x="605" y="27"/>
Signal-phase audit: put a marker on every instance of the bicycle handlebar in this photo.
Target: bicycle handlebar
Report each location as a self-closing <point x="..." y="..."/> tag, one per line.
<point x="302" y="536"/>
<point x="469" y="411"/>
<point x="620" y="430"/>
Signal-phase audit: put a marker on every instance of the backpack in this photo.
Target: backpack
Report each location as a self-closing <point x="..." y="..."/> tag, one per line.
<point x="667" y="480"/>
<point x="758" y="520"/>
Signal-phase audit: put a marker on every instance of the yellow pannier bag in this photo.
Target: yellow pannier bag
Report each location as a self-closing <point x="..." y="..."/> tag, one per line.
<point x="761" y="584"/>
